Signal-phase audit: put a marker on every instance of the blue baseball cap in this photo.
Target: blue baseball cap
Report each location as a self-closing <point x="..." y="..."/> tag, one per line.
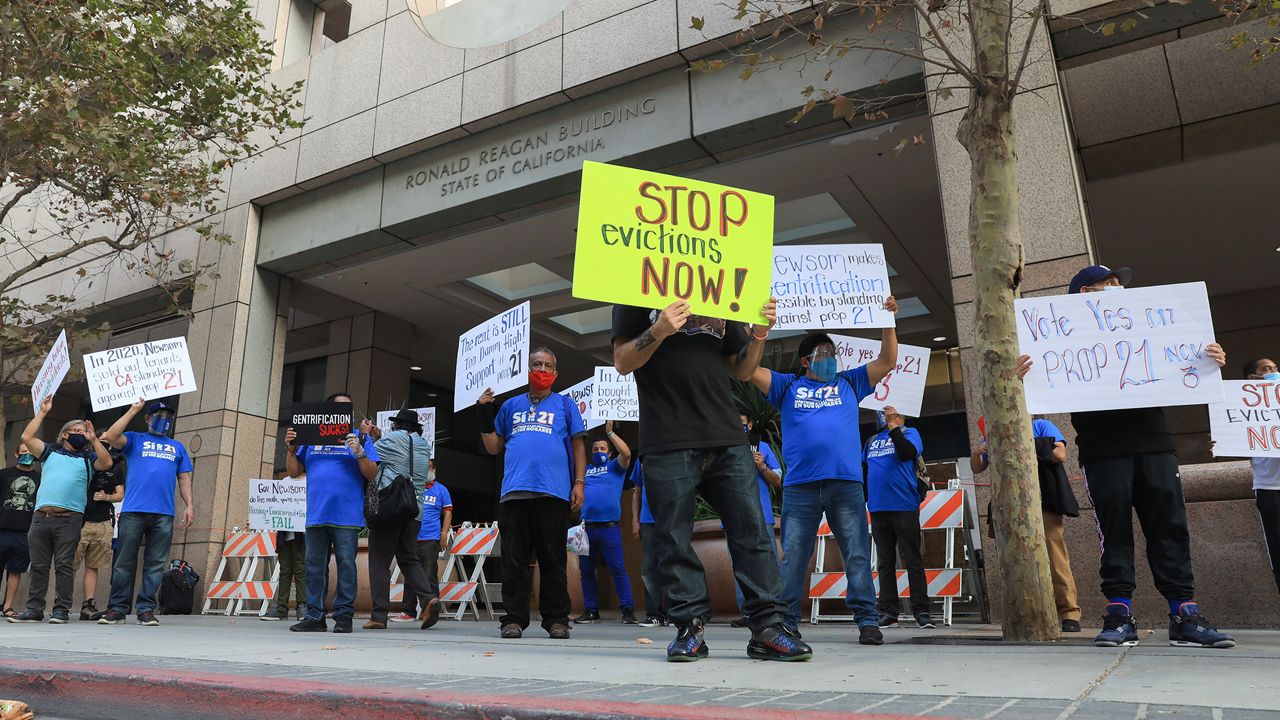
<point x="157" y="406"/>
<point x="1094" y="273"/>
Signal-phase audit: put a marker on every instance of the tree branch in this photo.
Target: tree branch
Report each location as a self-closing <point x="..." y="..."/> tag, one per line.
<point x="1026" y="47"/>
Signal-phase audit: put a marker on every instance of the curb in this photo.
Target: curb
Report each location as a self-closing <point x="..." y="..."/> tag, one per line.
<point x="107" y="692"/>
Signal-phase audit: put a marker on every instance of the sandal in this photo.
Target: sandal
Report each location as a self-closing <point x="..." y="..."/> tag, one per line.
<point x="10" y="613"/>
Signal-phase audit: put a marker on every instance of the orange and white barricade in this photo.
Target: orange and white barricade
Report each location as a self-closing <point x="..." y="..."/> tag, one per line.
<point x="457" y="586"/>
<point x="255" y="551"/>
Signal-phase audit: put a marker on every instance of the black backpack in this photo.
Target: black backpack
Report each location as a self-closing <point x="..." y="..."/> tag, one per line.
<point x="178" y="590"/>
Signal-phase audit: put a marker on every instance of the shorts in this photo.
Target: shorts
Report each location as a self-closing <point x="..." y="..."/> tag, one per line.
<point x="14" y="557"/>
<point x="95" y="545"/>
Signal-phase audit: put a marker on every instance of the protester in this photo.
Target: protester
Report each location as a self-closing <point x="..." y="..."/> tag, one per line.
<point x="821" y="448"/>
<point x="18" y="486"/>
<point x="769" y="474"/>
<point x="1266" y="475"/>
<point x="894" y="501"/>
<point x="336" y="476"/>
<point x="1129" y="465"/>
<point x="543" y="475"/>
<point x="66" y="467"/>
<point x="692" y="443"/>
<point x="655" y="602"/>
<point x="437" y="515"/>
<point x="1056" y="501"/>
<point x="403" y="452"/>
<point x="602" y="510"/>
<point x="94" y="551"/>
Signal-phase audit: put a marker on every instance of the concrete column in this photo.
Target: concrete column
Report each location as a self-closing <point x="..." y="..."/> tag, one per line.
<point x="369" y="358"/>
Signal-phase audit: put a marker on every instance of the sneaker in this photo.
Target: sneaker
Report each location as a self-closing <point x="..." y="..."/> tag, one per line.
<point x="1118" y="628"/>
<point x="688" y="645"/>
<point x="887" y="620"/>
<point x="88" y="610"/>
<point x="111" y="617"/>
<point x="1070" y="626"/>
<point x="740" y="622"/>
<point x="276" y="616"/>
<point x="559" y="631"/>
<point x="587" y="618"/>
<point x="342" y="625"/>
<point x="59" y="617"/>
<point x="512" y="631"/>
<point x="1190" y="629"/>
<point x="924" y="622"/>
<point x="404" y="617"/>
<point x="870" y="635"/>
<point x="652" y="621"/>
<point x="148" y="619"/>
<point x="27" y="616"/>
<point x="372" y="625"/>
<point x="778" y="642"/>
<point x="629" y="617"/>
<point x="307" y="624"/>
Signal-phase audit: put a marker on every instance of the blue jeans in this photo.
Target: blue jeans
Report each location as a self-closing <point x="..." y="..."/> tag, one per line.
<point x="154" y="532"/>
<point x="606" y="543"/>
<point x="321" y="539"/>
<point x="773" y="546"/>
<point x="845" y="503"/>
<point x="726" y="477"/>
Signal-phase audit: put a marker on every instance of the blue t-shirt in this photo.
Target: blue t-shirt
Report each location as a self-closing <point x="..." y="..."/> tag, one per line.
<point x="820" y="439"/>
<point x="891" y="483"/>
<point x="435" y="500"/>
<point x="154" y="462"/>
<point x="537" y="449"/>
<point x="1044" y="428"/>
<point x="64" y="478"/>
<point x="637" y="478"/>
<point x="335" y="487"/>
<point x="766" y="500"/>
<point x="602" y="495"/>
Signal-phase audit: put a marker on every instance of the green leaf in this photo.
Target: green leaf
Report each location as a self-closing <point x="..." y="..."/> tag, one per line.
<point x="696" y="23"/>
<point x="1128" y="25"/>
<point x="1109" y="29"/>
<point x="747" y="73"/>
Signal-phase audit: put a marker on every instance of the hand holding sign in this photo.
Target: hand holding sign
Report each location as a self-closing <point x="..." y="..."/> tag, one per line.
<point x="671" y="319"/>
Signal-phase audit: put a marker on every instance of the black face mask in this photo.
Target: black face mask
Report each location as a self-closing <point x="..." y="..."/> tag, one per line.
<point x="78" y="442"/>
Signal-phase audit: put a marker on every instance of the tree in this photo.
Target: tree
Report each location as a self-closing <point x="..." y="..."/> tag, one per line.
<point x="118" y="121"/>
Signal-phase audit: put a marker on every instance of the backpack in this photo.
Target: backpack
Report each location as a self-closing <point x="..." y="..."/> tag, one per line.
<point x="178" y="589"/>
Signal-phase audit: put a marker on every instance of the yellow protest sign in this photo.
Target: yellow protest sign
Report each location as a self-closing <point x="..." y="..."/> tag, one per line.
<point x="649" y="239"/>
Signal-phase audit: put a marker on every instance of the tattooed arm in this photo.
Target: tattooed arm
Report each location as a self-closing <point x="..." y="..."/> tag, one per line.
<point x="631" y="353"/>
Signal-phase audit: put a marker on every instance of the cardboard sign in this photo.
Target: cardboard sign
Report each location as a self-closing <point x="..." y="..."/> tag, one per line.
<point x="278" y="505"/>
<point x="426" y="416"/>
<point x="52" y="372"/>
<point x="616" y="395"/>
<point x="902" y="387"/>
<point x="1247" y="422"/>
<point x="831" y="287"/>
<point x="584" y="394"/>
<point x="320" y="423"/>
<point x="149" y="370"/>
<point x="1119" y="349"/>
<point x="493" y="354"/>
<point x="648" y="239"/>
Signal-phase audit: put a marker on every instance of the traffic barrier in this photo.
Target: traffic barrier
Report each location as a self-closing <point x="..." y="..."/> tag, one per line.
<point x="943" y="583"/>
<point x="456" y="584"/>
<point x="254" y="582"/>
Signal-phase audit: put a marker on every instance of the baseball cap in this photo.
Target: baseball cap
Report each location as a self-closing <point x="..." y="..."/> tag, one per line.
<point x="1094" y="273"/>
<point x="157" y="406"/>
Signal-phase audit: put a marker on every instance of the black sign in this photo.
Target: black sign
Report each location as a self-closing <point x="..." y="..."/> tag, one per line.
<point x="320" y="423"/>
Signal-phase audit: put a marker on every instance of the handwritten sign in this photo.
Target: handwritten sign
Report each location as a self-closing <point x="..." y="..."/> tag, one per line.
<point x="616" y="395"/>
<point x="147" y="370"/>
<point x="52" y="372"/>
<point x="278" y="505"/>
<point x="831" y="286"/>
<point x="320" y="423"/>
<point x="649" y="239"/>
<point x="1247" y="422"/>
<point x="426" y="416"/>
<point x="1119" y="349"/>
<point x="493" y="354"/>
<point x="584" y="394"/>
<point x="902" y="387"/>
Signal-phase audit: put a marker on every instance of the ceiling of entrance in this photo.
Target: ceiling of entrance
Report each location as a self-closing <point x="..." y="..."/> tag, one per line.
<point x="852" y="188"/>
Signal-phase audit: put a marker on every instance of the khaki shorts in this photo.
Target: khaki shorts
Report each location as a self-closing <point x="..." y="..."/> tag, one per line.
<point x="95" y="545"/>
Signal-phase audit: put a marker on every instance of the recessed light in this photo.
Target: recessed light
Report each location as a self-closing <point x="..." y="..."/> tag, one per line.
<point x="432" y="394"/>
<point x="415" y="368"/>
<point x="940" y="338"/>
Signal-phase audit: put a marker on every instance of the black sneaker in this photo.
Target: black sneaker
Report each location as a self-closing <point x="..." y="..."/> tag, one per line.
<point x="342" y="625"/>
<point x="1070" y="626"/>
<point x="511" y="631"/>
<point x="740" y="622"/>
<point x="307" y="624"/>
<point x="688" y="645"/>
<point x="778" y="642"/>
<point x="59" y="617"/>
<point x="148" y="619"/>
<point x="111" y="617"/>
<point x="887" y="620"/>
<point x="924" y="621"/>
<point x="88" y="611"/>
<point x="1190" y="629"/>
<point x="27" y="616"/>
<point x="629" y="617"/>
<point x="1118" y="628"/>
<point x="587" y="618"/>
<point x="653" y="621"/>
<point x="870" y="635"/>
<point x="558" y="632"/>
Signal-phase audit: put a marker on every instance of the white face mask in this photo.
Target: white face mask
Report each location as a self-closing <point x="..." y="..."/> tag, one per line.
<point x="431" y="476"/>
<point x="1112" y="287"/>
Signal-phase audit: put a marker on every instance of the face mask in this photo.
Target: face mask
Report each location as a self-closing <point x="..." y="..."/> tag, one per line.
<point x="824" y="369"/>
<point x="160" y="425"/>
<point x="1113" y="287"/>
<point x="77" y="442"/>
<point x="431" y="476"/>
<point x="599" y="458"/>
<point x="1273" y="377"/>
<point x="26" y="459"/>
<point x="541" y="380"/>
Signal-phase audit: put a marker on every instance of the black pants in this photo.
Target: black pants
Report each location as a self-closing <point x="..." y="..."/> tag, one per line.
<point x="53" y="540"/>
<point x="429" y="557"/>
<point x="1150" y="485"/>
<point x="655" y="604"/>
<point x="534" y="528"/>
<point x="1269" y="510"/>
<point x="899" y="533"/>
<point x="400" y="543"/>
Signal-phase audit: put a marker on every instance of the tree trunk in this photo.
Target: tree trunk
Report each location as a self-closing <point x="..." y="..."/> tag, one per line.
<point x="996" y="246"/>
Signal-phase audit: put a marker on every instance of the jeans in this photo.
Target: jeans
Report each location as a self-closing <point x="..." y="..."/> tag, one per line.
<point x="138" y="529"/>
<point x="400" y="543"/>
<point x="655" y="604"/>
<point x="897" y="532"/>
<point x="52" y="542"/>
<point x="606" y="543"/>
<point x="845" y="504"/>
<point x="726" y="477"/>
<point x="773" y="546"/>
<point x="342" y="541"/>
<point x="292" y="556"/>
<point x="534" y="528"/>
<point x="429" y="557"/>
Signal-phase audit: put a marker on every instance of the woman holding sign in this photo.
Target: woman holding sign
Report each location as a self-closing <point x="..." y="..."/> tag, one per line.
<point x="1266" y="474"/>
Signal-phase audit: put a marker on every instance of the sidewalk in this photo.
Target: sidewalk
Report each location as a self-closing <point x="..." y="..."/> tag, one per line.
<point x="241" y="667"/>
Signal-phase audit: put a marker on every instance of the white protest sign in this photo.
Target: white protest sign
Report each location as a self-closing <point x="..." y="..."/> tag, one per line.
<point x="902" y="387"/>
<point x="584" y="394"/>
<point x="831" y="286"/>
<point x="426" y="416"/>
<point x="616" y="397"/>
<point x="52" y="372"/>
<point x="493" y="354"/>
<point x="278" y="505"/>
<point x="149" y="370"/>
<point x="1247" y="422"/>
<point x="1119" y="349"/>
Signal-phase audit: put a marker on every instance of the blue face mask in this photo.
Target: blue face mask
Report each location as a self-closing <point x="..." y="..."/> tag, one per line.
<point x="160" y="425"/>
<point x="1273" y="377"/>
<point x="26" y="459"/>
<point x="599" y="458"/>
<point x="824" y="369"/>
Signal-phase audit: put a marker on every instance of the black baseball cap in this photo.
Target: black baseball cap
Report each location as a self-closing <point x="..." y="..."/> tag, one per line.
<point x="1094" y="273"/>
